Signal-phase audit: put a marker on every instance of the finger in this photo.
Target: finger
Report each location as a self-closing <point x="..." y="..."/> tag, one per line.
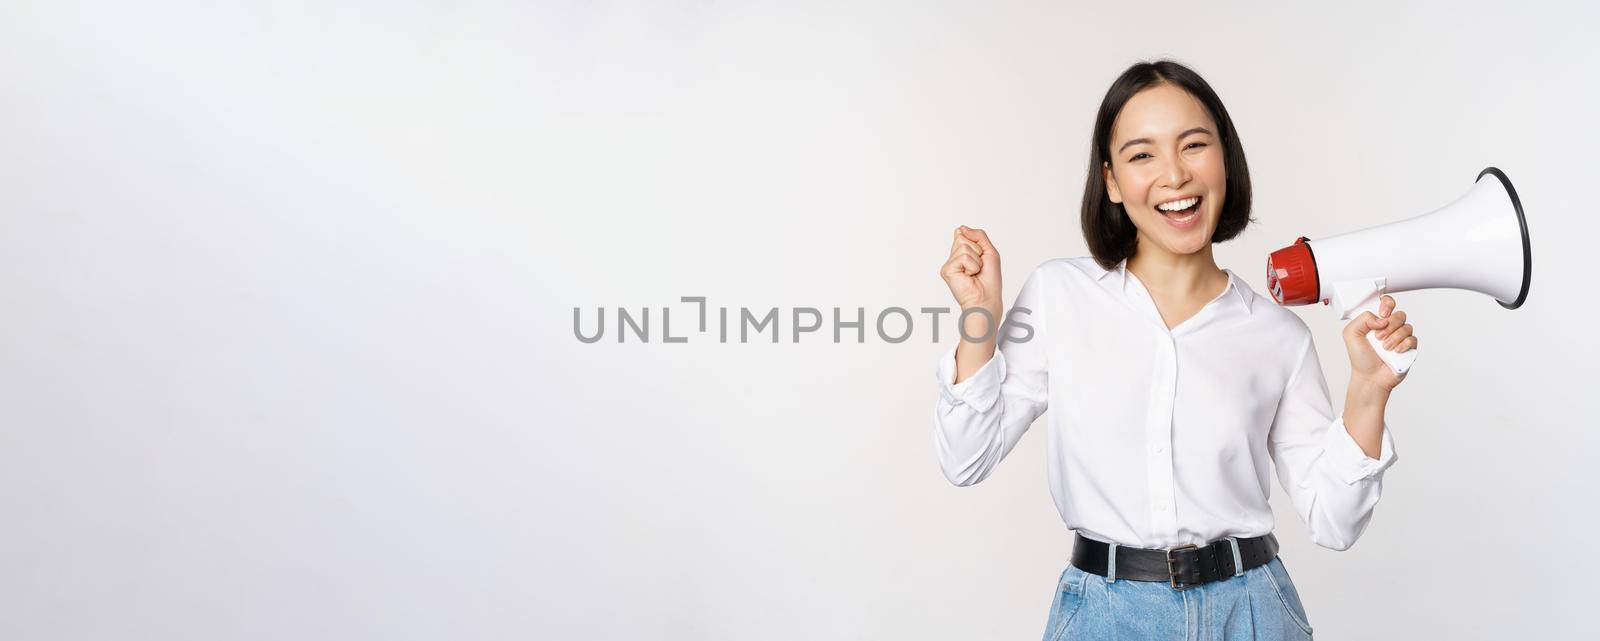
<point x="1409" y="343"/>
<point x="961" y="239"/>
<point x="969" y="264"/>
<point x="1395" y="337"/>
<point x="968" y="249"/>
<point x="1386" y="305"/>
<point x="960" y="265"/>
<point x="964" y="243"/>
<point x="958" y="239"/>
<point x="1362" y="324"/>
<point x="950" y="268"/>
<point x="980" y="237"/>
<point x="1399" y="335"/>
<point x="1395" y="320"/>
<point x="953" y="269"/>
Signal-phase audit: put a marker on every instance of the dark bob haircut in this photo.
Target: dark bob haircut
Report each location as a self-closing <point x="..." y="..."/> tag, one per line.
<point x="1111" y="235"/>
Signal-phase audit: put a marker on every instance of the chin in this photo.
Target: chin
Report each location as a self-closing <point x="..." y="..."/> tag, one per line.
<point x="1192" y="242"/>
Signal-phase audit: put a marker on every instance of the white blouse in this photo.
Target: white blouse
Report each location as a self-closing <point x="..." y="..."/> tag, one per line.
<point x="1161" y="438"/>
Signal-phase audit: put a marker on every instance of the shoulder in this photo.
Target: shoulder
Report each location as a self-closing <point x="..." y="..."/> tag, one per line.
<point x="1057" y="276"/>
<point x="1273" y="321"/>
<point x="1066" y="269"/>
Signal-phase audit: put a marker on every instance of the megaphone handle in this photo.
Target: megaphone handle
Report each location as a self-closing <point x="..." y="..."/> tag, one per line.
<point x="1399" y="362"/>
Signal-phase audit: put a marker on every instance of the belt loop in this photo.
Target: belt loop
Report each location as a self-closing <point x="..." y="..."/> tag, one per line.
<point x="1238" y="561"/>
<point x="1111" y="564"/>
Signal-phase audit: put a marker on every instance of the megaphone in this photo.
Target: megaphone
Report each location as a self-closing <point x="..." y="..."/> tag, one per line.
<point x="1477" y="243"/>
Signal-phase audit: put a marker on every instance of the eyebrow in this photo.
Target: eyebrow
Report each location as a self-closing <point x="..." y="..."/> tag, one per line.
<point x="1146" y="141"/>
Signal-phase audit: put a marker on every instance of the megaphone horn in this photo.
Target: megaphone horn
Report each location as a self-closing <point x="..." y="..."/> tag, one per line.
<point x="1477" y="243"/>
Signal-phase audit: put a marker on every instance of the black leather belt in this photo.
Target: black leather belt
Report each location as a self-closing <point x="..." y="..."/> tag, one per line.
<point x="1181" y="567"/>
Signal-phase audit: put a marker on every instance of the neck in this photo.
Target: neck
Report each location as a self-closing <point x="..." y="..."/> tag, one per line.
<point x="1164" y="272"/>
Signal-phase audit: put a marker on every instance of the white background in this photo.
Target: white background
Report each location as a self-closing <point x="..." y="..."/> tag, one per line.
<point x="287" y="344"/>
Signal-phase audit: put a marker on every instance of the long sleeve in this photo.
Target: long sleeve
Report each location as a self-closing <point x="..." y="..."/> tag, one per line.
<point x="978" y="421"/>
<point x="1333" y="484"/>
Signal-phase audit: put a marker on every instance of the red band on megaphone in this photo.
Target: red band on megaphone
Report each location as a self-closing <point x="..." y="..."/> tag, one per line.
<point x="1292" y="274"/>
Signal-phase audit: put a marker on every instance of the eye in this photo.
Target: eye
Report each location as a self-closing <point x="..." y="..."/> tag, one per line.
<point x="1138" y="156"/>
<point x="1193" y="145"/>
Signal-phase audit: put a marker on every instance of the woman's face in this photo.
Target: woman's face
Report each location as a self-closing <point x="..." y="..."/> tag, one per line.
<point x="1165" y="153"/>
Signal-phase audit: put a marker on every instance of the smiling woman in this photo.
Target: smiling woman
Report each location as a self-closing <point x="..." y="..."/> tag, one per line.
<point x="1175" y="390"/>
<point x="1163" y="136"/>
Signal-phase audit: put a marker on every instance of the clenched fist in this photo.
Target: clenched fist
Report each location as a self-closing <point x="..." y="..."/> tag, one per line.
<point x="973" y="271"/>
<point x="973" y="274"/>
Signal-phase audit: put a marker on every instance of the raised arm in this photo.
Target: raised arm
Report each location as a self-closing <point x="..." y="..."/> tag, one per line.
<point x="990" y="390"/>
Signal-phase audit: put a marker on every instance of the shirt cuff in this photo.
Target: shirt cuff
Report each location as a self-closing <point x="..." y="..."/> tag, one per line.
<point x="1349" y="463"/>
<point x="980" y="391"/>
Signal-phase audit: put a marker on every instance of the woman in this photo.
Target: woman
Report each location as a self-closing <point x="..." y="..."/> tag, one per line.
<point x="1171" y="386"/>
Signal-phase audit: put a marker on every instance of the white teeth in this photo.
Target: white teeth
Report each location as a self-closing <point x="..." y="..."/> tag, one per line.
<point x="1177" y="205"/>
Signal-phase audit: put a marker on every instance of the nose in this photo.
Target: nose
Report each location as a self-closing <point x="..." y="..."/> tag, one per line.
<point x="1175" y="174"/>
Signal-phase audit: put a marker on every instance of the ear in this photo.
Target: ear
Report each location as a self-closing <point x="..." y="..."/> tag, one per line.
<point x="1112" y="191"/>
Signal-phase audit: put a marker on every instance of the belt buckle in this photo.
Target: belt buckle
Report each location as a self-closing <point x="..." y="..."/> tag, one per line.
<point x="1172" y="577"/>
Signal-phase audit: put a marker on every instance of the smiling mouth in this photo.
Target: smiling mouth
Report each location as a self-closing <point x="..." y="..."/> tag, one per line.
<point x="1181" y="215"/>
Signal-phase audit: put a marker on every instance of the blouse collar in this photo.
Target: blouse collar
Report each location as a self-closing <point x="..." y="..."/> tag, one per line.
<point x="1242" y="292"/>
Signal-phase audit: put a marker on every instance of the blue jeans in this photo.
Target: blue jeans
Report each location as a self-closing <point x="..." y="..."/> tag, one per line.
<point x="1259" y="604"/>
